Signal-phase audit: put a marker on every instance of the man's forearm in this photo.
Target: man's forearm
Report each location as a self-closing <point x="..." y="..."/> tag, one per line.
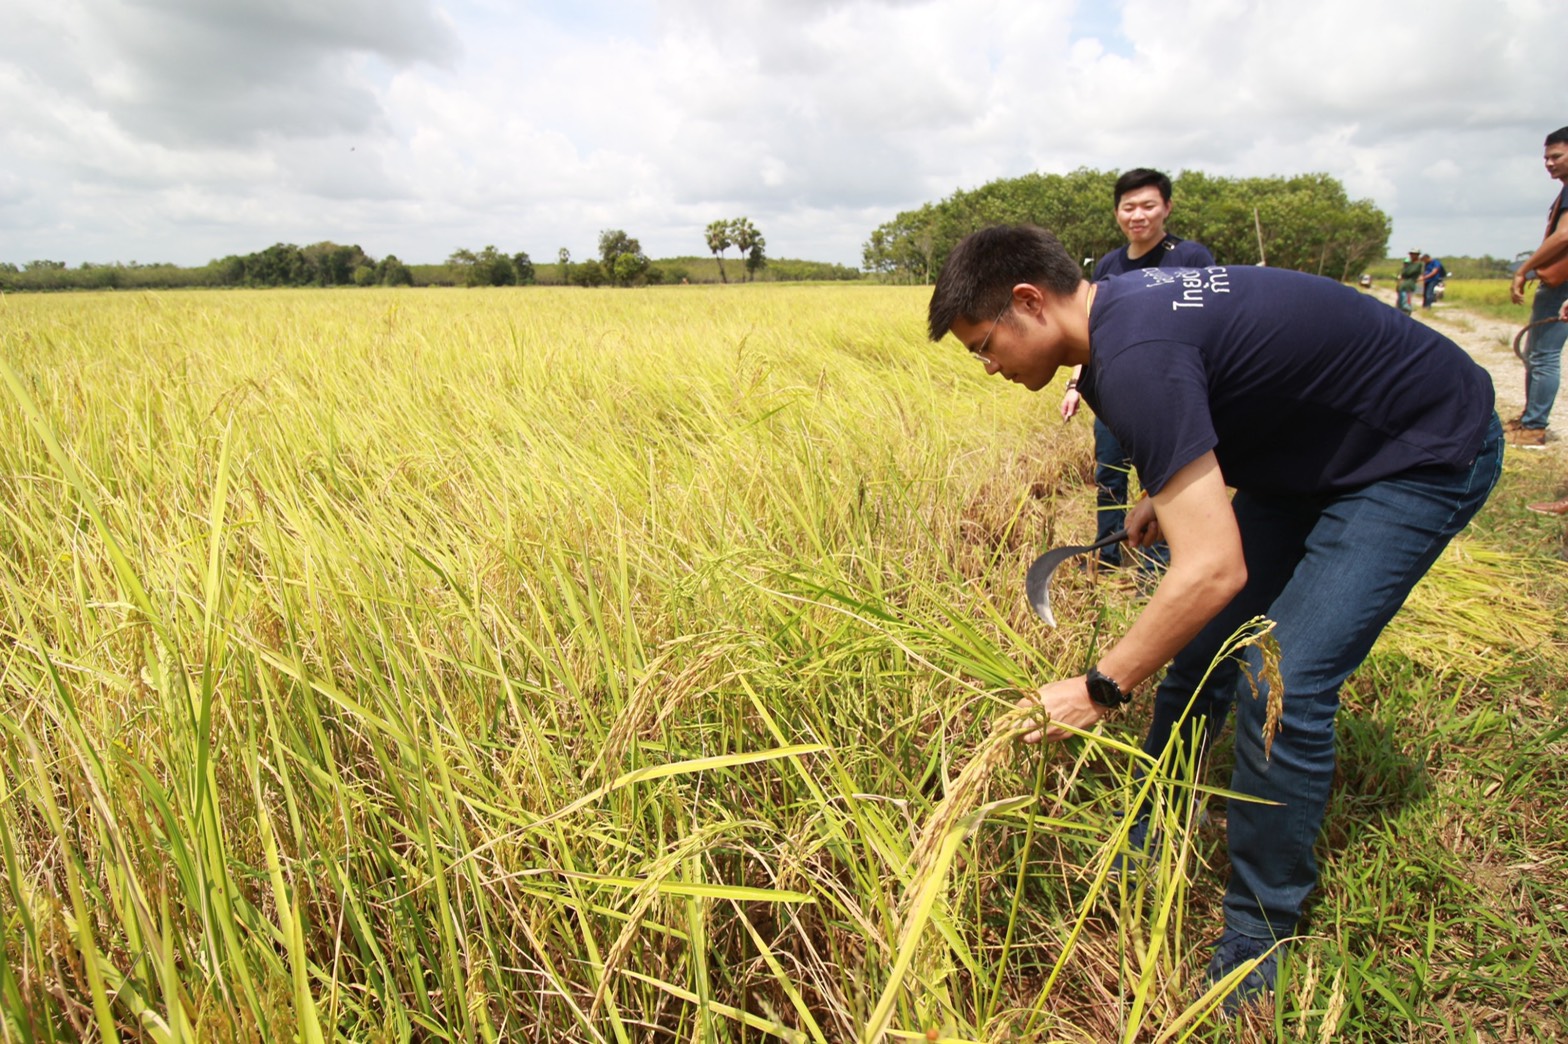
<point x="1185" y="601"/>
<point x="1208" y="567"/>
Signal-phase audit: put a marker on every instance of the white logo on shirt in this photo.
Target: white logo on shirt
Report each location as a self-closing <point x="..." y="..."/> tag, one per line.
<point x="1195" y="282"/>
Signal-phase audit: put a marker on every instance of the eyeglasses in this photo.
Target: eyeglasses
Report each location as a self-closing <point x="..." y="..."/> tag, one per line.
<point x="979" y="353"/>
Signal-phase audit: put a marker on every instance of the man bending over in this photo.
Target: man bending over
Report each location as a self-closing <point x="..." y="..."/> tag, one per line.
<point x="1358" y="444"/>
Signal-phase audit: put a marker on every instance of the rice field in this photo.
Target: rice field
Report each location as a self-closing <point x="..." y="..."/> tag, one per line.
<point x="547" y="664"/>
<point x="1488" y="297"/>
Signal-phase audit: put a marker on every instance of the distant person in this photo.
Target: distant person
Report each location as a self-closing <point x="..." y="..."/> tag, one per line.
<point x="1358" y="444"/>
<point x="1409" y="279"/>
<point x="1432" y="274"/>
<point x="1543" y="354"/>
<point x="1142" y="198"/>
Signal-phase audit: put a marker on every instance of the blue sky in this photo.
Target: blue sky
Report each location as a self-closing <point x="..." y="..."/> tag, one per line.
<point x="185" y="130"/>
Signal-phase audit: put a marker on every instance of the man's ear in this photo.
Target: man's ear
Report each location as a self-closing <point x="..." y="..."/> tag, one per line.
<point x="1028" y="297"/>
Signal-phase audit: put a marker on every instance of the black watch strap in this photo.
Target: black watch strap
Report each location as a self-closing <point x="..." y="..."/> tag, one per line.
<point x="1104" y="691"/>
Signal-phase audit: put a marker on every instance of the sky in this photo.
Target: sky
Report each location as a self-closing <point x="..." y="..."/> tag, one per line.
<point x="187" y="130"/>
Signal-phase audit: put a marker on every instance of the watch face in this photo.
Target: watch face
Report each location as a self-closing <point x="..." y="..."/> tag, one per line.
<point x="1104" y="691"/>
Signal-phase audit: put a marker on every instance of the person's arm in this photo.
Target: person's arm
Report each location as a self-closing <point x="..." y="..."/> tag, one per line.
<point x="1207" y="570"/>
<point x="1551" y="249"/>
<point x="1071" y="398"/>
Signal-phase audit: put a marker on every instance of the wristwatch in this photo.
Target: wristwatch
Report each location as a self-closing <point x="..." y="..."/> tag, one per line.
<point x="1104" y="692"/>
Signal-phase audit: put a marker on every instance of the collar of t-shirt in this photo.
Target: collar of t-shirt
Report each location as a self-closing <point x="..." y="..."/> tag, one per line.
<point x="1150" y="258"/>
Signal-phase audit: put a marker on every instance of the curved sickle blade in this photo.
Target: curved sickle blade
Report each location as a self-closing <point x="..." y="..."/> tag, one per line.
<point x="1037" y="582"/>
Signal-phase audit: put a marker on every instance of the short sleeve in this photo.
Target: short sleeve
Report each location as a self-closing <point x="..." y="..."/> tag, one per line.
<point x="1154" y="397"/>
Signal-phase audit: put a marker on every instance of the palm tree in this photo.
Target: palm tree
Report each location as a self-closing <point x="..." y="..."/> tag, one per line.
<point x="718" y="236"/>
<point x="744" y="235"/>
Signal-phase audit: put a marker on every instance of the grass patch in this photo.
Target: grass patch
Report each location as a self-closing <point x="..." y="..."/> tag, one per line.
<point x="1488" y="297"/>
<point x="624" y="666"/>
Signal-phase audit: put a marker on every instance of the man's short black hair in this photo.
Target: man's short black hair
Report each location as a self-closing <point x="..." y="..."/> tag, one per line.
<point x="1558" y="137"/>
<point x="1141" y="177"/>
<point x="978" y="277"/>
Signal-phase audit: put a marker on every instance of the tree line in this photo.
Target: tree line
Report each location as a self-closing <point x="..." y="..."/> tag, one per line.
<point x="282" y="264"/>
<point x="320" y="264"/>
<point x="1306" y="222"/>
<point x="621" y="262"/>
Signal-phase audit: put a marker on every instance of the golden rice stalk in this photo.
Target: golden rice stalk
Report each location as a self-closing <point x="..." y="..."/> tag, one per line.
<point x="647" y="892"/>
<point x="1268" y="675"/>
<point x="966" y="792"/>
<point x="959" y="813"/>
<point x="1478" y="609"/>
<point x="656" y="695"/>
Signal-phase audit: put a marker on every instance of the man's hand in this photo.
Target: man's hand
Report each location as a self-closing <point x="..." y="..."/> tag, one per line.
<point x="1143" y="525"/>
<point x="1070" y="403"/>
<point x="1516" y="289"/>
<point x="1066" y="701"/>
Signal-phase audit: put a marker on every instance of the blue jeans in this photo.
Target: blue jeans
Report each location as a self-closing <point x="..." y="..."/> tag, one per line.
<point x="1111" y="468"/>
<point x="1402" y="296"/>
<point x="1428" y="291"/>
<point x="1331" y="572"/>
<point x="1543" y="356"/>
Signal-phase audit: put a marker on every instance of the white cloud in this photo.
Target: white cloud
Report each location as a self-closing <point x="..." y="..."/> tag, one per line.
<point x="189" y="129"/>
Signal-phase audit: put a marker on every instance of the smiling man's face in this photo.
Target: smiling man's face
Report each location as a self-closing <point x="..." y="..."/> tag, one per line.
<point x="1141" y="214"/>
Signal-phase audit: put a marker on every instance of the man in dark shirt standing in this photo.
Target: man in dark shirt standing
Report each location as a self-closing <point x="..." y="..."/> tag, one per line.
<point x="1432" y="275"/>
<point x="1358" y="444"/>
<point x="1143" y="204"/>
<point x="1544" y="344"/>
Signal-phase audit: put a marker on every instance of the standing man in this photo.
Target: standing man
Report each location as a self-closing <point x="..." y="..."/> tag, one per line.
<point x="1358" y="444"/>
<point x="1554" y="507"/>
<point x="1544" y="345"/>
<point x="1409" y="277"/>
<point x="1432" y="273"/>
<point x="1142" y="198"/>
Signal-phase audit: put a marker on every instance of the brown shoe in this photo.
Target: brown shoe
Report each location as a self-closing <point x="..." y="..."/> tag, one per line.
<point x="1554" y="507"/>
<point x="1527" y="438"/>
<point x="1513" y="425"/>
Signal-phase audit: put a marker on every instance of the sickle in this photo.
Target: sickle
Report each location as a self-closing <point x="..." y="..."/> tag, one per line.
<point x="1037" y="583"/>
<point x="1519" y="337"/>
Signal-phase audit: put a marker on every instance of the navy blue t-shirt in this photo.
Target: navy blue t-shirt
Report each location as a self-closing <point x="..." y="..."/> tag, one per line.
<point x="1169" y="252"/>
<point x="1298" y="384"/>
